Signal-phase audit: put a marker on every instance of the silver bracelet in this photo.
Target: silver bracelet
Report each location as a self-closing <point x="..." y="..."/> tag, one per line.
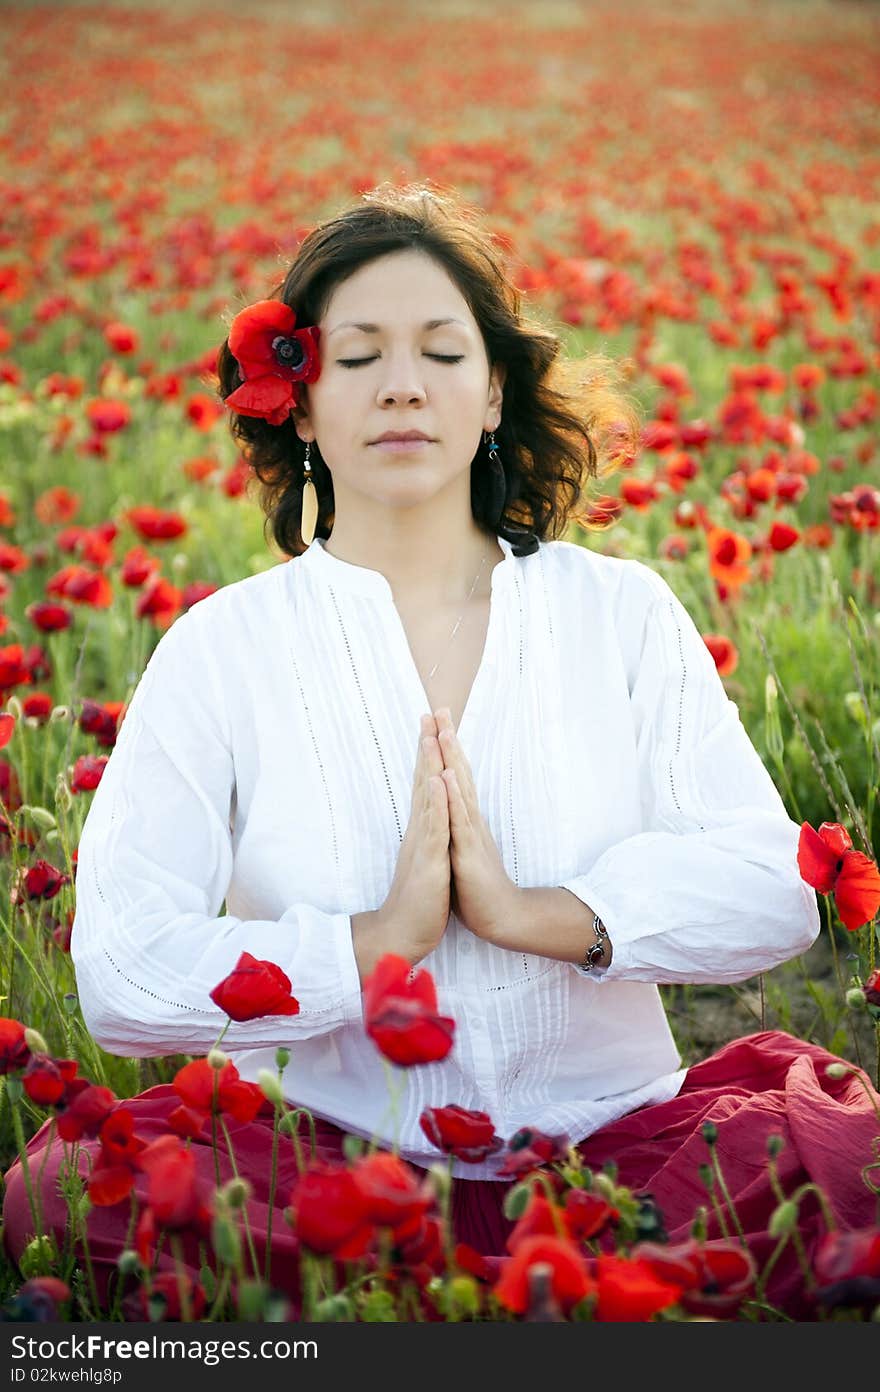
<point x="596" y="951"/>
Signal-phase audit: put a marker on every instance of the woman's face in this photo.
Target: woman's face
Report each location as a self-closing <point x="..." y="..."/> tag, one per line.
<point x="401" y="375"/>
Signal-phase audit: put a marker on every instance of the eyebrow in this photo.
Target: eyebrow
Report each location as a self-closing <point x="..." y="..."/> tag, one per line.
<point x="377" y="328"/>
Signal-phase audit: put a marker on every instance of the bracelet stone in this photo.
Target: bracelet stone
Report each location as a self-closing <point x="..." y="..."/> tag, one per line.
<point x="596" y="951"/>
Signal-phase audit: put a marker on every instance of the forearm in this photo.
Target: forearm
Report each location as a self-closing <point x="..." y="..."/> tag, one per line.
<point x="550" y="922"/>
<point x="369" y="941"/>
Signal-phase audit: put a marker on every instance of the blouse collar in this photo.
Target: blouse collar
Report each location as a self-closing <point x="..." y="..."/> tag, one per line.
<point x="343" y="574"/>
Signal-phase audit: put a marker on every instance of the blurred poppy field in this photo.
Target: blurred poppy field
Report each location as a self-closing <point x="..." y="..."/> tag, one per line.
<point x="694" y="192"/>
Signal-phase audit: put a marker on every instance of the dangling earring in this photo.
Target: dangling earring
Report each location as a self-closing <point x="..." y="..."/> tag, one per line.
<point x="497" y="481"/>
<point x="309" y="502"/>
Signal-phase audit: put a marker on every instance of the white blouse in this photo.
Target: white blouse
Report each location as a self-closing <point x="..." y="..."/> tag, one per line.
<point x="266" y="764"/>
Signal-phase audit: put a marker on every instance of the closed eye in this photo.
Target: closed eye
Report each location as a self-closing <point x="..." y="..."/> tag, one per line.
<point x="438" y="357"/>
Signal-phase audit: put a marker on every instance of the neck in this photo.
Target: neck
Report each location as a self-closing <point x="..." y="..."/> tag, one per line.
<point x="423" y="568"/>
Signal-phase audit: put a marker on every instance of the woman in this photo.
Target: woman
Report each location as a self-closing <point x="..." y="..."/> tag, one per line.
<point x="440" y="733"/>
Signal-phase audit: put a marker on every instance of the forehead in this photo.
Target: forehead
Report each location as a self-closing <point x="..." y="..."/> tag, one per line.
<point x="399" y="288"/>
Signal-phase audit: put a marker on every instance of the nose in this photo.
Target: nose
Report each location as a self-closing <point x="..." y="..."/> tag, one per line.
<point x="402" y="382"/>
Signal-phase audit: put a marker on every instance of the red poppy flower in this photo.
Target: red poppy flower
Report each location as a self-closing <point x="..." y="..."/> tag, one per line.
<point x="14" y="1052"/>
<point x="724" y="653"/>
<point x="871" y="987"/>
<point x="175" y="1194"/>
<point x="86" y="1113"/>
<point x="570" y="1280"/>
<point x="630" y="1292"/>
<point x="847" y="1267"/>
<point x="110" y="1184"/>
<point x="328" y="1212"/>
<point x="7" y="725"/>
<point x="87" y="772"/>
<point x="391" y="1193"/>
<point x="587" y="1214"/>
<point x="729" y="553"/>
<point x="483" y="1268"/>
<point x="106" y="417"/>
<point x="420" y="1256"/>
<point x="715" y="1276"/>
<point x="469" y="1136"/>
<point x="401" y="1014"/>
<point x="540" y="1219"/>
<point x="52" y="1082"/>
<point x="272" y="356"/>
<point x="43" y="1081"/>
<point x="194" y="1084"/>
<point x="167" y="1284"/>
<point x="781" y="536"/>
<point x="529" y="1149"/>
<point x="829" y="864"/>
<point x="253" y="989"/>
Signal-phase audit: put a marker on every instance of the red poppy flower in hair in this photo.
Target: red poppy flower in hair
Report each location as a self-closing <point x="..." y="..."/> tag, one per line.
<point x="272" y="355"/>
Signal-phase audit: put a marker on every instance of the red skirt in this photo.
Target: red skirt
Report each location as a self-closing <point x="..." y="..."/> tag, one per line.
<point x="762" y="1085"/>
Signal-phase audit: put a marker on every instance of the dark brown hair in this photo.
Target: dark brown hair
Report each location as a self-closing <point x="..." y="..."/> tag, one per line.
<point x="564" y="421"/>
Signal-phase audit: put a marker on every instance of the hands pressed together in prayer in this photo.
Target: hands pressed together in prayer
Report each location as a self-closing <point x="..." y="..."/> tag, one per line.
<point x="482" y="894"/>
<point x="448" y="859"/>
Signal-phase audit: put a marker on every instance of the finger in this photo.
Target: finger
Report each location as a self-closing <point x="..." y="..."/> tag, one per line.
<point x="458" y="820"/>
<point x="439" y="813"/>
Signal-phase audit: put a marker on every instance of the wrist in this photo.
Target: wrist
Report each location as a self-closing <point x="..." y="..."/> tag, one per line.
<point x="598" y="951"/>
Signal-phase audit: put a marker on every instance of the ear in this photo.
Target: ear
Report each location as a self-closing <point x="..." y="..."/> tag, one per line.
<point x="497" y="378"/>
<point x="302" y="420"/>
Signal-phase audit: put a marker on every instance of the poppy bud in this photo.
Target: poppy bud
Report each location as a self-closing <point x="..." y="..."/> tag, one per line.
<point x="707" y="1175"/>
<point x="837" y="1070"/>
<point x="63" y="795"/>
<point x="129" y="1263"/>
<point x="783" y="1219"/>
<point x="442" y="1181"/>
<point x="772" y="725"/>
<point x="227" y="1241"/>
<point x="217" y="1059"/>
<point x="699" y="1227"/>
<point x="35" y="1041"/>
<point x="855" y="998"/>
<point x="282" y="1058"/>
<point x="251" y="1301"/>
<point x="270" y="1086"/>
<point x="709" y="1132"/>
<point x="334" y="1309"/>
<point x="353" y="1148"/>
<point x="236" y="1193"/>
<point x="38" y="1257"/>
<point x="464" y="1294"/>
<point x="855" y="708"/>
<point x="603" y="1185"/>
<point x="775" y="1144"/>
<point x="516" y="1201"/>
<point x="378" y="1308"/>
<point x="69" y="1001"/>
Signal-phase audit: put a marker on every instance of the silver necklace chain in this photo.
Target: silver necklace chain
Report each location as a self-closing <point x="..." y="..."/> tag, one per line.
<point x="458" y="621"/>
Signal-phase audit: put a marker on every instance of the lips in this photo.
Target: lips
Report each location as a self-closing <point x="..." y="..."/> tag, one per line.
<point x="401" y="436"/>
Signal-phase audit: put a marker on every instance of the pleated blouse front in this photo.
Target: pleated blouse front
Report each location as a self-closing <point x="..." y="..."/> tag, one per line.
<point x="265" y="765"/>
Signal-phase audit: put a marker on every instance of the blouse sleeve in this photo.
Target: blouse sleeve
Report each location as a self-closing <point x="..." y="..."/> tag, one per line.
<point x="710" y="890"/>
<point x="153" y="867"/>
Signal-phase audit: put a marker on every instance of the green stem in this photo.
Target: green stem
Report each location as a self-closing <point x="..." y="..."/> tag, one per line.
<point x="727" y="1199"/>
<point x="273" y="1180"/>
<point x="797" y="1240"/>
<point x="829" y="925"/>
<point x="219" y="1296"/>
<point x="247" y="1227"/>
<point x="26" y="1171"/>
<point x="186" y="1311"/>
